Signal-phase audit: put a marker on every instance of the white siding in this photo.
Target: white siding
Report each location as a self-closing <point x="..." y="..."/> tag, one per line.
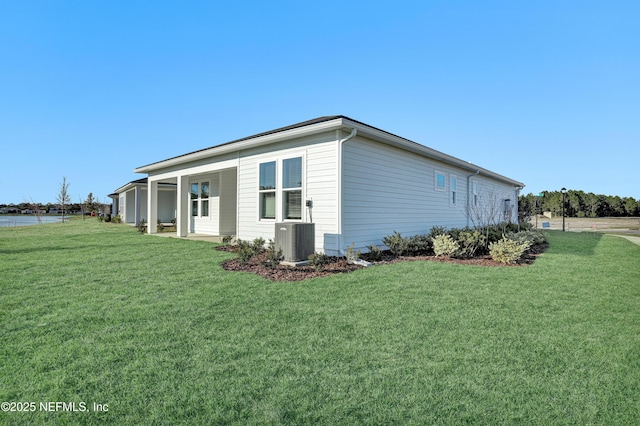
<point x="228" y="199"/>
<point x="130" y="207"/>
<point x="386" y="189"/>
<point x="166" y="205"/>
<point x="319" y="154"/>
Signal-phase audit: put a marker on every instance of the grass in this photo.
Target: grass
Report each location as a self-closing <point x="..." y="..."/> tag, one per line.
<point x="158" y="331"/>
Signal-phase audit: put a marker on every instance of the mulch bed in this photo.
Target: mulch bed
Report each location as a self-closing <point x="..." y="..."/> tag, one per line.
<point x="339" y="265"/>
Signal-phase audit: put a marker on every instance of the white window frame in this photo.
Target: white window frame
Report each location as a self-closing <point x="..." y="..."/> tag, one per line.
<point x="435" y="181"/>
<point x="268" y="191"/>
<point x="199" y="198"/>
<point x="280" y="190"/>
<point x="453" y="190"/>
<point x="293" y="189"/>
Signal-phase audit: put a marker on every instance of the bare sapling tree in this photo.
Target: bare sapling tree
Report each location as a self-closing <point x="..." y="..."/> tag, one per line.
<point x="36" y="209"/>
<point x="63" y="195"/>
<point x="488" y="211"/>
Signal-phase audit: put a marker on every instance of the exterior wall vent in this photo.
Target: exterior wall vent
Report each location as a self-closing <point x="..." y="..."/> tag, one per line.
<point x="296" y="240"/>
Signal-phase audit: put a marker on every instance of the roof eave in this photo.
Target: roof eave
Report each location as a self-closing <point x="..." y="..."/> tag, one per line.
<point x="417" y="148"/>
<point x="243" y="144"/>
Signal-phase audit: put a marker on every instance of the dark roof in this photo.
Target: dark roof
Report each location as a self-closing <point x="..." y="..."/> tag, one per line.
<point x="441" y="156"/>
<point x="269" y="132"/>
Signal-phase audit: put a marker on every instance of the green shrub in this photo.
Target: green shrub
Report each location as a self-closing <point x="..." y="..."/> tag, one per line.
<point x="160" y="226"/>
<point x="445" y="245"/>
<point x="319" y="260"/>
<point x="258" y="244"/>
<point x="397" y="243"/>
<point x="352" y="254"/>
<point x="116" y="219"/>
<point x="532" y="237"/>
<point x="507" y="250"/>
<point x="375" y="254"/>
<point x="471" y="241"/>
<point x="274" y="257"/>
<point x="419" y="245"/>
<point x="437" y="230"/>
<point x="142" y="226"/>
<point x="247" y="250"/>
<point x="226" y="240"/>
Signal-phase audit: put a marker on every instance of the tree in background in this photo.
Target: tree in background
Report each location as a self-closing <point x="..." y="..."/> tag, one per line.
<point x="90" y="203"/>
<point x="63" y="196"/>
<point x="581" y="204"/>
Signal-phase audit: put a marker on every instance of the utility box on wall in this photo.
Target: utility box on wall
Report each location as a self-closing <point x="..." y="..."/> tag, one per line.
<point x="296" y="240"/>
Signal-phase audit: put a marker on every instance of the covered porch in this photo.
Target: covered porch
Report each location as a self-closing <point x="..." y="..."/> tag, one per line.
<point x="205" y="203"/>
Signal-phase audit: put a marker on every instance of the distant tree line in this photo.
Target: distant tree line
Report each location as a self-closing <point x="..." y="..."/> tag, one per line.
<point x="90" y="204"/>
<point x="579" y="204"/>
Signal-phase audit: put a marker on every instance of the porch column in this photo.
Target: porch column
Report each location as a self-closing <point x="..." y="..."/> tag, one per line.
<point x="137" y="213"/>
<point x="152" y="207"/>
<point x="182" y="206"/>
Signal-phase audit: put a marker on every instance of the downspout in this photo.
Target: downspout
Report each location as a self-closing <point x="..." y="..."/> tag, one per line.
<point x="340" y="143"/>
<point x="468" y="194"/>
<point x="518" y="189"/>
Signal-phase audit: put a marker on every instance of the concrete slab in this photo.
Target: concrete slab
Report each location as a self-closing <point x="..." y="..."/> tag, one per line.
<point x="193" y="237"/>
<point x="630" y="238"/>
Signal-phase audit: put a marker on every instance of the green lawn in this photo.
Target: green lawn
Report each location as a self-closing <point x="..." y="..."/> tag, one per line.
<point x="155" y="329"/>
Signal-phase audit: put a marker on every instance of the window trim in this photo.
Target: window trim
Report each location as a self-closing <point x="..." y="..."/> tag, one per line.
<point x="280" y="190"/>
<point x="199" y="199"/>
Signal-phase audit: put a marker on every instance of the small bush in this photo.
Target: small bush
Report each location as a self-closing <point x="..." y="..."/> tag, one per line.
<point x="247" y="250"/>
<point x="437" y="230"/>
<point x="507" y="250"/>
<point x="116" y="219"/>
<point x="470" y="241"/>
<point x="397" y="243"/>
<point x="352" y="254"/>
<point x="319" y="260"/>
<point x="226" y="240"/>
<point x="142" y="226"/>
<point x="274" y="257"/>
<point x="160" y="226"/>
<point x="445" y="245"/>
<point x="419" y="245"/>
<point x="258" y="244"/>
<point x="532" y="237"/>
<point x="375" y="254"/>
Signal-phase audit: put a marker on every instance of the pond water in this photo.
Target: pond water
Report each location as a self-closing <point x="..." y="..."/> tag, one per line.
<point x="26" y="220"/>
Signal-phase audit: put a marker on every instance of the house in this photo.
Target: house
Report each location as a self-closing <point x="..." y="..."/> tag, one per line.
<point x="357" y="183"/>
<point x="130" y="202"/>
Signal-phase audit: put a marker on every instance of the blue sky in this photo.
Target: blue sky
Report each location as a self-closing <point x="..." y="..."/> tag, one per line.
<point x="544" y="92"/>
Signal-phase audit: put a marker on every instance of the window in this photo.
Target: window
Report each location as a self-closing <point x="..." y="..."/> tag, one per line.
<point x="194" y="199"/>
<point x="283" y="187"/>
<point x="200" y="199"/>
<point x="292" y="188"/>
<point x="267" y="190"/>
<point x="204" y="199"/>
<point x="440" y="181"/>
<point x="454" y="190"/>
